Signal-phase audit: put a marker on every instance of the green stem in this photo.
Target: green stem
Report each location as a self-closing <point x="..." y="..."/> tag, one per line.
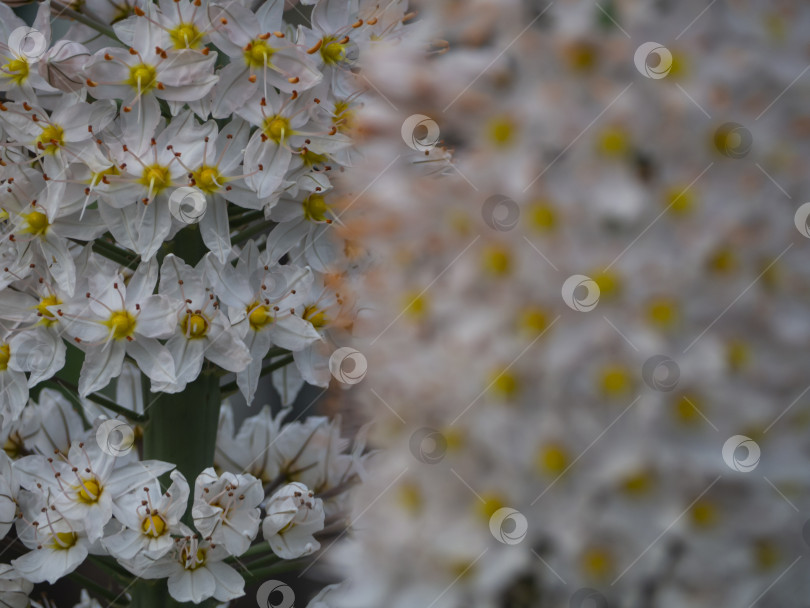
<point x="104" y="402"/>
<point x="285" y="566"/>
<point x="77" y="404"/>
<point x="232" y="387"/>
<point x="253" y="231"/>
<point x="240" y="220"/>
<point x="95" y="587"/>
<point x="60" y="10"/>
<point x="117" y="255"/>
<point x="261" y="562"/>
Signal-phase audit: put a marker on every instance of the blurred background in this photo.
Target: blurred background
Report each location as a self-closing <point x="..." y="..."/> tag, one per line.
<point x="588" y="353"/>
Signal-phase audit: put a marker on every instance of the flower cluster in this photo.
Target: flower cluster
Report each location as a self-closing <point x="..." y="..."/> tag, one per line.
<point x="73" y="493"/>
<point x="592" y="313"/>
<point x="169" y="212"/>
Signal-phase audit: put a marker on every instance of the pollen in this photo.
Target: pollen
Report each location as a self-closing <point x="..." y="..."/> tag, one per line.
<point x="194" y="326"/>
<point x="501" y="131"/>
<point x="315" y="208"/>
<point x="504" y="384"/>
<point x="680" y="201"/>
<point x="142" y="77"/>
<point x="497" y="260"/>
<point x="17" y="70"/>
<point x="5" y="356"/>
<point x="51" y="139"/>
<point x="415" y="305"/>
<point x="192" y="562"/>
<point x="613" y="141"/>
<point x="156" y="178"/>
<point x="257" y="54"/>
<point x="89" y="491"/>
<point x="48" y="318"/>
<point x="185" y="36"/>
<point x="122" y="324"/>
<point x="317" y="317"/>
<point x="662" y="313"/>
<point x="208" y="179"/>
<point x="332" y="51"/>
<point x="533" y="321"/>
<point x="277" y="128"/>
<point x="153" y="525"/>
<point x="703" y="514"/>
<point x="64" y="540"/>
<point x="259" y="316"/>
<point x="36" y="223"/>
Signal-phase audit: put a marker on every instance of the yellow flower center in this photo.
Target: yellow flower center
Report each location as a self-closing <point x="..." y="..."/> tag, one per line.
<point x="662" y="312"/>
<point x="317" y="317"/>
<point x="616" y="381"/>
<point x="332" y="51"/>
<point x="258" y="316"/>
<point x="185" y="36"/>
<point x="614" y="142"/>
<point x="311" y="158"/>
<point x="257" y="53"/>
<point x="156" y="178"/>
<point x="51" y="139"/>
<point x="153" y="525"/>
<point x="194" y="325"/>
<point x="89" y="491"/>
<point x="597" y="563"/>
<point x="122" y="324"/>
<point x="37" y="223"/>
<point x="98" y="177"/>
<point x="504" y="384"/>
<point x="16" y="70"/>
<point x="142" y="77"/>
<point x="497" y="260"/>
<point x="542" y="216"/>
<point x="208" y="179"/>
<point x="5" y="355"/>
<point x="192" y="562"/>
<point x="703" y="514"/>
<point x="489" y="504"/>
<point x="552" y="459"/>
<point x="534" y="321"/>
<point x="276" y="128"/>
<point x="48" y="318"/>
<point x="638" y="483"/>
<point x="344" y="117"/>
<point x="64" y="540"/>
<point x="315" y="208"/>
<point x="501" y="131"/>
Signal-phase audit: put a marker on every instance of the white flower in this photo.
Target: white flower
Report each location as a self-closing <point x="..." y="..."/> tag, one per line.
<point x="226" y="509"/>
<point x="86" y="484"/>
<point x="13" y="588"/>
<point x="294" y="515"/>
<point x="251" y="449"/>
<point x="9" y="488"/>
<point x="196" y="572"/>
<point x="57" y="545"/>
<point x="149" y="519"/>
<point x="114" y="318"/>
<point x="202" y="330"/>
